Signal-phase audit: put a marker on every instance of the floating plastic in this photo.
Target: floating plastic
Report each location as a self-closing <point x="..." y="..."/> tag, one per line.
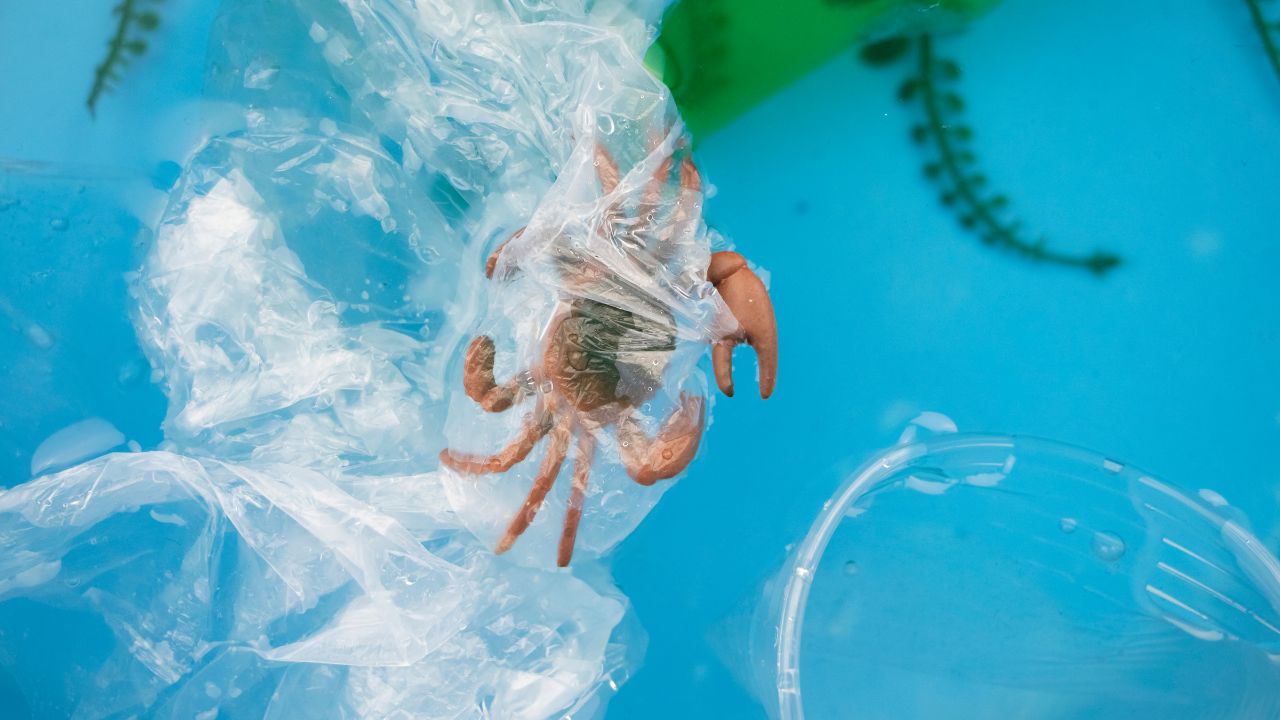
<point x="972" y="576"/>
<point x="558" y="146"/>
<point x="291" y="549"/>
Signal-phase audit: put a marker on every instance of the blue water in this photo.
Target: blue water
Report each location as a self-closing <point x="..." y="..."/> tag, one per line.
<point x="1148" y="127"/>
<point x="1151" y="128"/>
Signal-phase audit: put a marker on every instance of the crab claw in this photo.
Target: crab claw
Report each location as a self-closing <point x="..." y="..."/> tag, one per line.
<point x="749" y="301"/>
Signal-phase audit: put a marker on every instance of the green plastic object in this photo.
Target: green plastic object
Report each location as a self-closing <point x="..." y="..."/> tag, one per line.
<point x="722" y="57"/>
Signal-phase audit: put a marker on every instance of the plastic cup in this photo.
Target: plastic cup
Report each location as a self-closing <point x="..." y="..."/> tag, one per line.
<point x="972" y="576"/>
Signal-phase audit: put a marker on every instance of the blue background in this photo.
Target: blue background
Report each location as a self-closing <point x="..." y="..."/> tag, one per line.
<point x="1151" y="128"/>
<point x="1148" y="127"/>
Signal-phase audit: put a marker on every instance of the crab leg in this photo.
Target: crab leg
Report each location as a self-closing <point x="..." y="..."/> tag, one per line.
<point x="749" y="302"/>
<point x="557" y="447"/>
<point x="606" y="169"/>
<point x="690" y="194"/>
<point x="535" y="426"/>
<point x="647" y="208"/>
<point x="649" y="460"/>
<point x="478" y="380"/>
<point x="581" y="474"/>
<point x="492" y="263"/>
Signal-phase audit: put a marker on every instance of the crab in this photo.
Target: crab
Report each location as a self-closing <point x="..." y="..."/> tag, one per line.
<point x="600" y="363"/>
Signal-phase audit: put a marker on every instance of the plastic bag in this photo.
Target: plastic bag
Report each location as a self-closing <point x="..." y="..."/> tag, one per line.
<point x="290" y="551"/>
<point x="565" y="147"/>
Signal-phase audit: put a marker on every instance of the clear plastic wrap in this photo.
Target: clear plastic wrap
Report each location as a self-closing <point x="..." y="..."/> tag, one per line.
<point x="293" y="549"/>
<point x="561" y="144"/>
<point x="290" y="552"/>
<point x="270" y="591"/>
<point x="625" y="270"/>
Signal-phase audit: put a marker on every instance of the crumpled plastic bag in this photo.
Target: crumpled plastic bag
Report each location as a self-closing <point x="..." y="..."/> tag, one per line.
<point x="291" y="549"/>
<point x="270" y="591"/>
<point x="526" y="121"/>
<point x="288" y="554"/>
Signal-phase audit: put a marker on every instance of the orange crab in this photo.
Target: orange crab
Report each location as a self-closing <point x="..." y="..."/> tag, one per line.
<point x="599" y="363"/>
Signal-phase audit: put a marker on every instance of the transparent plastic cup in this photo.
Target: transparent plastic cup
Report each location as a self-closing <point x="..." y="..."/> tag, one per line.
<point x="973" y="576"/>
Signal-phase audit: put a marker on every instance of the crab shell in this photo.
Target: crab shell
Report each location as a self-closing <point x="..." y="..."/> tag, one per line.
<point x="604" y="360"/>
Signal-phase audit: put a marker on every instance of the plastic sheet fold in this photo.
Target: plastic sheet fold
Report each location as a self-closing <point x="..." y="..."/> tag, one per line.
<point x="291" y="549"/>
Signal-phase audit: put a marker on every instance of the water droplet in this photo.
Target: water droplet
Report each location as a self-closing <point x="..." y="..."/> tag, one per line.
<point x="58" y="224"/>
<point x="850" y="568"/>
<point x="1107" y="546"/>
<point x="1067" y="525"/>
<point x="803" y="573"/>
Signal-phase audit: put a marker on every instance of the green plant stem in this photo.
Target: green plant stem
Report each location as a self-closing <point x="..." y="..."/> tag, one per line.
<point x="115" y="55"/>
<point x="1265" y="32"/>
<point x="997" y="233"/>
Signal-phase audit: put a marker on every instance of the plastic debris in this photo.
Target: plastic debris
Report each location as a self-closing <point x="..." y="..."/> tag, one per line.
<point x="1010" y="576"/>
<point x="291" y="549"/>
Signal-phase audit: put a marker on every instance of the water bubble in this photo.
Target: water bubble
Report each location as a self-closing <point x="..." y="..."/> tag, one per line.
<point x="1108" y="546"/>
<point x="850" y="568"/>
<point x="1067" y="525"/>
<point x="58" y="224"/>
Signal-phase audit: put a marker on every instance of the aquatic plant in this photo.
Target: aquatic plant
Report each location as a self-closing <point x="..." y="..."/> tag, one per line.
<point x="1268" y="31"/>
<point x="133" y="21"/>
<point x="955" y="165"/>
